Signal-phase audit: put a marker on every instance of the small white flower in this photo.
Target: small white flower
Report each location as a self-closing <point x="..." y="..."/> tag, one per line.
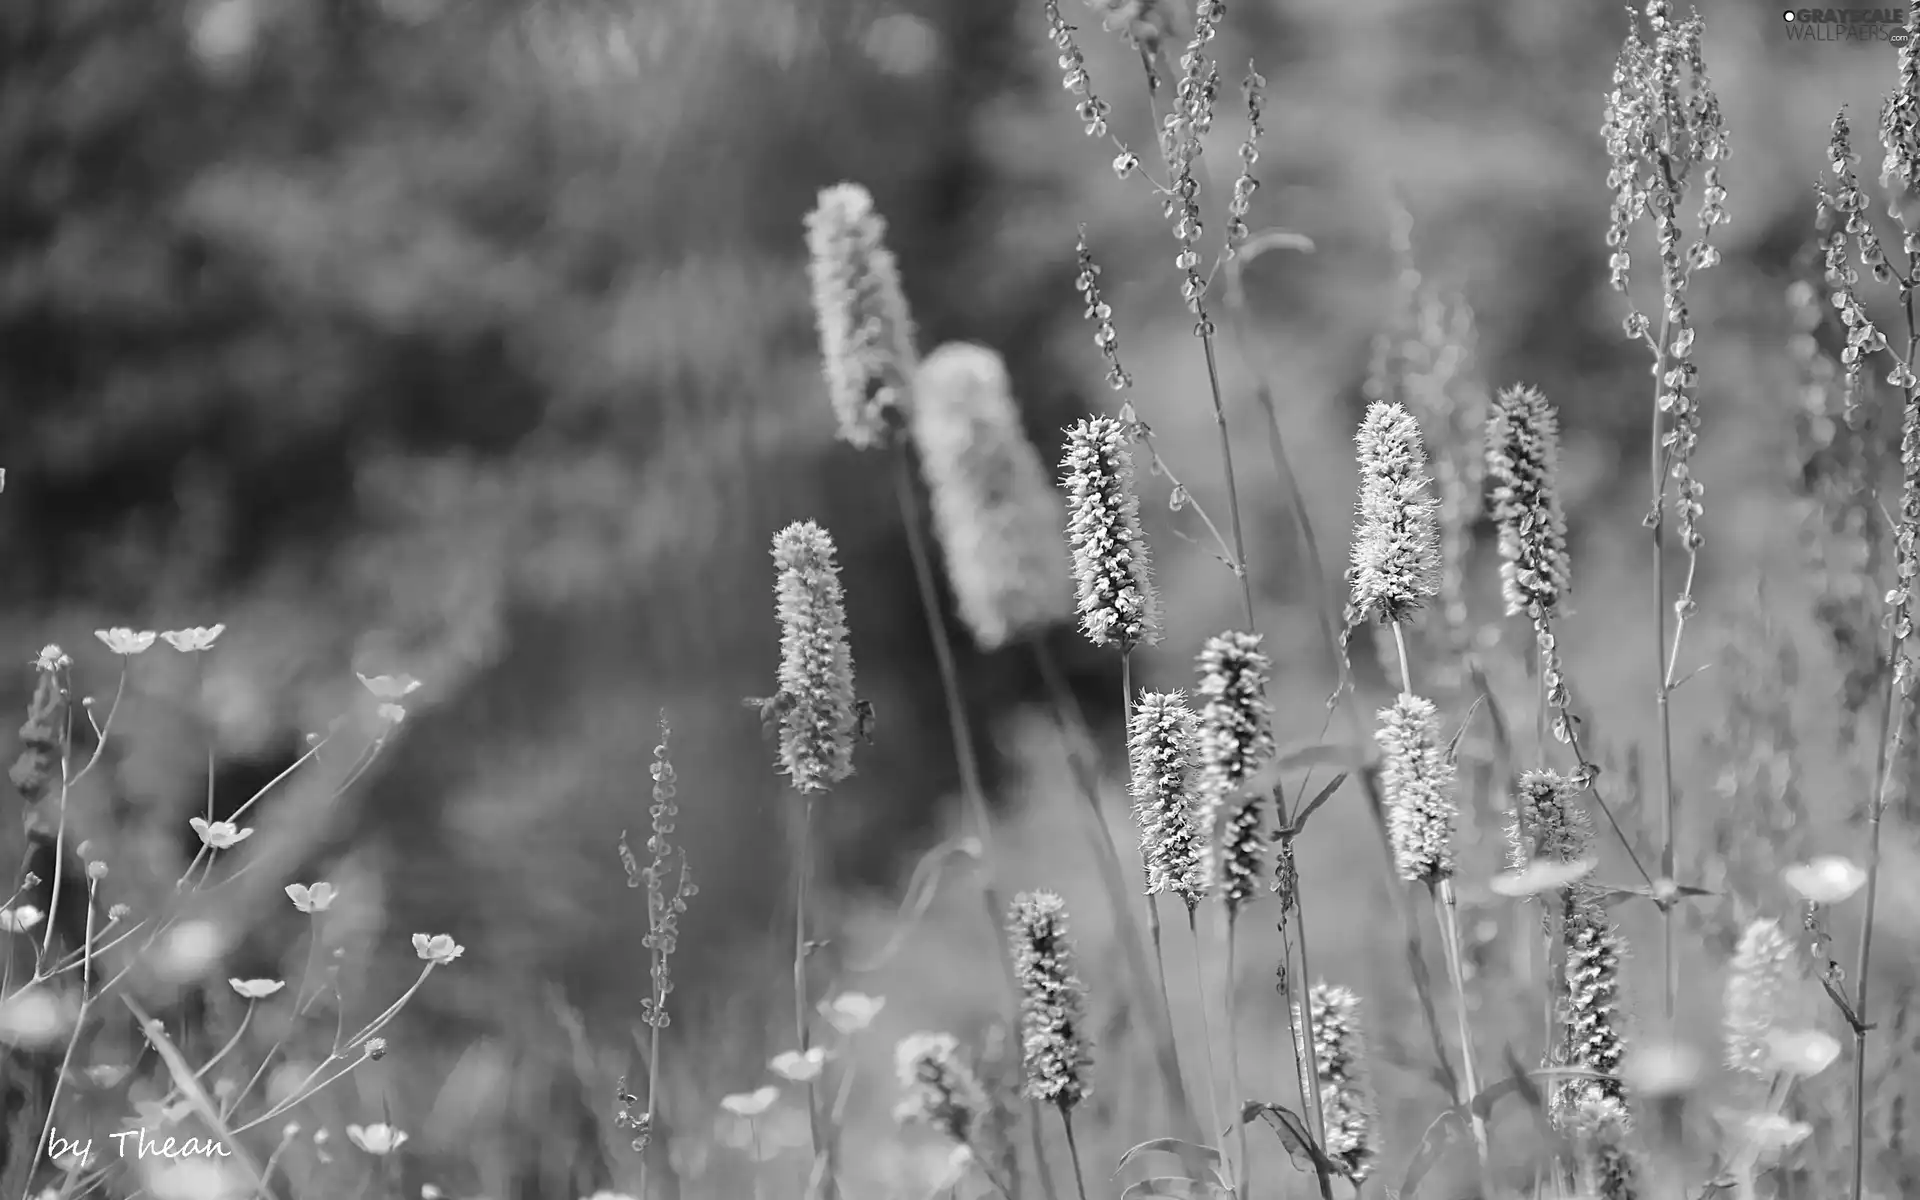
<point x="34" y="1017"/>
<point x="378" y="1139"/>
<point x="311" y="898"/>
<point x="193" y="640"/>
<point x="850" y="1012"/>
<point x="19" y="918"/>
<point x="1801" y="1052"/>
<point x="1829" y="879"/>
<point x="390" y="687"/>
<point x="219" y="835"/>
<point x="798" y="1067"/>
<point x="750" y="1104"/>
<point x="125" y="641"/>
<point x="105" y="1075"/>
<point x="50" y="659"/>
<point x="438" y="949"/>
<point x="256" y="989"/>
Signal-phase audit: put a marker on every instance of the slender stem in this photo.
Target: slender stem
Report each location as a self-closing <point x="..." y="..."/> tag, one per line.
<point x="1656" y="525"/>
<point x="1400" y="649"/>
<point x="972" y="792"/>
<point x="1226" y="470"/>
<point x="1893" y="730"/>
<point x="803" y="867"/>
<point x="1242" y="1174"/>
<point x="1073" y="1152"/>
<point x="1446" y="914"/>
<point x="1206" y="1028"/>
<point x="1309" y="1052"/>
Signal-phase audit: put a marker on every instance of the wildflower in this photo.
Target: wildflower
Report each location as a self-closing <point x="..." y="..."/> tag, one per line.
<point x="797" y="1067"/>
<point x="1243" y="846"/>
<point x="1523" y="451"/>
<point x="1900" y="115"/>
<point x="1098" y="311"/>
<point x="1111" y="566"/>
<point x="1662" y="1067"/>
<point x="1828" y="879"/>
<point x="1770" y="1134"/>
<point x="1396" y="535"/>
<point x="1547" y="823"/>
<point x="1417" y="779"/>
<point x="438" y="949"/>
<point x="193" y="640"/>
<point x="389" y="687"/>
<point x="118" y="912"/>
<point x="664" y="904"/>
<point x="219" y="835"/>
<point x="126" y="642"/>
<point x="1236" y="740"/>
<point x="1091" y="110"/>
<point x="311" y="898"/>
<point x="50" y="659"/>
<point x="996" y="512"/>
<point x="1346" y="1098"/>
<point x="1052" y="1004"/>
<point x="942" y="1091"/>
<point x="1594" y="1037"/>
<point x="375" y="1048"/>
<point x="1542" y="876"/>
<point x="1757" y="987"/>
<point x="1600" y="1129"/>
<point x="191" y="948"/>
<point x="866" y="336"/>
<point x="255" y="989"/>
<point x="378" y="1139"/>
<point x="750" y="1104"/>
<point x="818" y="716"/>
<point x="1802" y="1052"/>
<point x="35" y="1017"/>
<point x="1160" y="745"/>
<point x="19" y="918"/>
<point x="851" y="1012"/>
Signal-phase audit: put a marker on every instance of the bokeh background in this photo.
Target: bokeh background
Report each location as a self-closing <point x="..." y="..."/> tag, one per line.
<point x="471" y="340"/>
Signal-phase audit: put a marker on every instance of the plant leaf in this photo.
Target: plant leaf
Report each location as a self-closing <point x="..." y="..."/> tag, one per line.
<point x="1293" y="1134"/>
<point x="1325" y="794"/>
<point x="1429" y="1152"/>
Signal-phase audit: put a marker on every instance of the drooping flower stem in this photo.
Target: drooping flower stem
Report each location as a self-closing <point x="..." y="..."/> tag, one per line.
<point x="972" y="793"/>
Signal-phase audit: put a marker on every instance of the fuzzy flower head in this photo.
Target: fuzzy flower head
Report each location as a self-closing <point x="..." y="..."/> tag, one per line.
<point x="1601" y="1132"/>
<point x="942" y="1091"/>
<point x="1595" y="1023"/>
<point x="1236" y="740"/>
<point x="1548" y="822"/>
<point x="1523" y="459"/>
<point x="1055" y="1055"/>
<point x="817" y="710"/>
<point x="1340" y="1052"/>
<point x="1111" y="567"/>
<point x="1416" y="775"/>
<point x="1242" y="855"/>
<point x="1160" y="747"/>
<point x="1759" y="986"/>
<point x="995" y="509"/>
<point x="866" y="336"/>
<point x="1396" y="533"/>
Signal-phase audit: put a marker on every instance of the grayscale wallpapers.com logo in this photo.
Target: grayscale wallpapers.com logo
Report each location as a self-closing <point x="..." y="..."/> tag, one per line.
<point x="1846" y="24"/>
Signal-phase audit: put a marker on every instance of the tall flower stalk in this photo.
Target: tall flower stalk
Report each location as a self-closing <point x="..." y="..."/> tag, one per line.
<point x="817" y="715"/>
<point x="1056" y="1055"/>
<point x="1395" y="570"/>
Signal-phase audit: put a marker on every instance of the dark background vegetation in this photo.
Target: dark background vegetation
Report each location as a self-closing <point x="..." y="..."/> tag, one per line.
<point x="471" y="340"/>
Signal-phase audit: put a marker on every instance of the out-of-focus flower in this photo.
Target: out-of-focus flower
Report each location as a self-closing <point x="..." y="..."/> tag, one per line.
<point x="389" y="687"/>
<point x="942" y="1091"/>
<point x="799" y="1067"/>
<point x="1757" y="983"/>
<point x="438" y="949"/>
<point x="378" y="1139"/>
<point x="50" y="659"/>
<point x="219" y="835"/>
<point x="195" y="639"/>
<point x="1801" y="1052"/>
<point x="866" y="334"/>
<point x="750" y="1104"/>
<point x="256" y="989"/>
<point x="35" y="1017"/>
<point x="19" y="918"/>
<point x="851" y="1012"/>
<point x="1828" y="879"/>
<point x="126" y="642"/>
<point x="1541" y="876"/>
<point x="311" y="898"/>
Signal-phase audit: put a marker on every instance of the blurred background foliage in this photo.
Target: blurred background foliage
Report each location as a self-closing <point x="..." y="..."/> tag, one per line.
<point x="470" y="339"/>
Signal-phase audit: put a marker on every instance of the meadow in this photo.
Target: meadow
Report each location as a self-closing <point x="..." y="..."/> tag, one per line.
<point x="1508" y="797"/>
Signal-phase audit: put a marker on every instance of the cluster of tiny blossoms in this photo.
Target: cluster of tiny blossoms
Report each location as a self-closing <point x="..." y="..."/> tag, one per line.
<point x="1662" y="120"/>
<point x="1111" y="567"/>
<point x="1396" y="536"/>
<point x="1181" y="134"/>
<point x="1236" y="740"/>
<point x="816" y="704"/>
<point x="1847" y="204"/>
<point x="1055" y="1055"/>
<point x="1416" y="777"/>
<point x="941" y="1090"/>
<point x="1758" y="981"/>
<point x="1346" y="1098"/>
<point x="1090" y="108"/>
<point x="1548" y="822"/>
<point x="994" y="507"/>
<point x="866" y="335"/>
<point x="1595" y="1038"/>
<point x="1160" y="747"/>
